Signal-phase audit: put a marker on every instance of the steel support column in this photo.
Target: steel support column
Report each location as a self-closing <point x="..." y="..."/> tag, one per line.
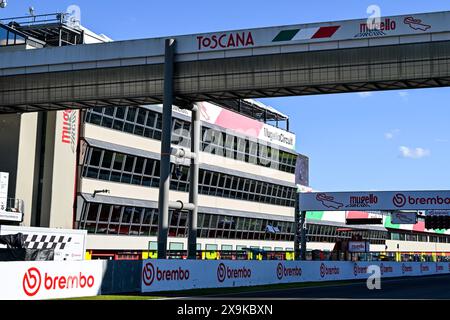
<point x="300" y="232"/>
<point x="303" y="235"/>
<point x="166" y="137"/>
<point x="193" y="185"/>
<point x="297" y="232"/>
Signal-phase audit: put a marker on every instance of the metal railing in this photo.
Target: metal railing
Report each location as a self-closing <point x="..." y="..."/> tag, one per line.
<point x="58" y="18"/>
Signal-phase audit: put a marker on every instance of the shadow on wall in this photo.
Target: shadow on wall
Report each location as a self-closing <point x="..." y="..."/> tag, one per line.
<point x="122" y="276"/>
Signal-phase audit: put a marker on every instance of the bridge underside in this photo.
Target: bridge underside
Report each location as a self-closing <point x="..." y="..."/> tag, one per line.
<point x="406" y="66"/>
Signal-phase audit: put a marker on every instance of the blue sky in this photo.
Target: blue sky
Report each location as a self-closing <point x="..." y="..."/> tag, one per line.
<point x="397" y="140"/>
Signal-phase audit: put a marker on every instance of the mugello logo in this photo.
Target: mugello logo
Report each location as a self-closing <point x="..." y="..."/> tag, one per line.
<point x="363" y="201"/>
<point x="150" y="274"/>
<point x="226" y="40"/>
<point x="384" y="25"/>
<point x="69" y="129"/>
<point x="224" y="272"/>
<point x="326" y="271"/>
<point x="283" y="271"/>
<point x="34" y="282"/>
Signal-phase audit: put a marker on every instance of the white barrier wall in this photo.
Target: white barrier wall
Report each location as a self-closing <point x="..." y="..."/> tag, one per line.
<point x="166" y="275"/>
<point x="38" y="280"/>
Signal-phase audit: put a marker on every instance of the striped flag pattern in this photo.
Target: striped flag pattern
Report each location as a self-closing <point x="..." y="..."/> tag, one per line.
<point x="306" y="34"/>
<point x="340" y="216"/>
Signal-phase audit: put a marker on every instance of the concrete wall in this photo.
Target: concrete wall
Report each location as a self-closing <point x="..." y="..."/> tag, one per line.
<point x="122" y="276"/>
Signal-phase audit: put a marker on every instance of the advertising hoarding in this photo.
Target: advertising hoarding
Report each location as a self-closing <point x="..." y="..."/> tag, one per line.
<point x="374" y="200"/>
<point x="302" y="170"/>
<point x="4" y="179"/>
<point x="357" y="29"/>
<point x="164" y="275"/>
<point x="68" y="244"/>
<point x="236" y="122"/>
<point x="358" y="246"/>
<point x="36" y="280"/>
<point x="399" y="217"/>
<point x="437" y="212"/>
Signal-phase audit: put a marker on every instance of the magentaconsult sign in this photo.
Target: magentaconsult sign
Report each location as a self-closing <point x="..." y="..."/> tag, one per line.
<point x="368" y="201"/>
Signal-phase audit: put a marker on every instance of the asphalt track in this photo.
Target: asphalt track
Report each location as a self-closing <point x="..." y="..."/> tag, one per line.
<point x="429" y="287"/>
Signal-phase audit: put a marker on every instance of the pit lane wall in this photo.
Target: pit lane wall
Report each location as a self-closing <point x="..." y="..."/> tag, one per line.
<point x="168" y="275"/>
<point x="41" y="280"/>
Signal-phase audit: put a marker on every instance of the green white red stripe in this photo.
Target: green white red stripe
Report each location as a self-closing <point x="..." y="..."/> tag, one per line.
<point x="340" y="216"/>
<point x="306" y="33"/>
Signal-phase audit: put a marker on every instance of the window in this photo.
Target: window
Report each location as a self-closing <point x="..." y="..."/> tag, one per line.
<point x="118" y="161"/>
<point x="104" y="213"/>
<point x="211" y="246"/>
<point x="176" y="246"/>
<point x="95" y="157"/>
<point x="93" y="211"/>
<point x="143" y="122"/>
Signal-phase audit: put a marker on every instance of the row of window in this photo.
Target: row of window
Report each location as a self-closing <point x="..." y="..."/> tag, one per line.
<point x="147" y="123"/>
<point x="153" y="245"/>
<point x="117" y="167"/>
<point x="420" y="237"/>
<point x="124" y="220"/>
<point x="332" y="231"/>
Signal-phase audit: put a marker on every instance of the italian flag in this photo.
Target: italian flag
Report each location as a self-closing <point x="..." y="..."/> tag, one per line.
<point x="306" y="33"/>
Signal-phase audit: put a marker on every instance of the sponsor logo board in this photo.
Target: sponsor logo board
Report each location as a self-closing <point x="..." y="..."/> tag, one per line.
<point x="50" y="279"/>
<point x="383" y="200"/>
<point x="215" y="274"/>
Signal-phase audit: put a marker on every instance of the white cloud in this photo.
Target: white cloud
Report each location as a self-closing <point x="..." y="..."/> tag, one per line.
<point x="414" y="153"/>
<point x="403" y="95"/>
<point x="391" y="134"/>
<point x="365" y="94"/>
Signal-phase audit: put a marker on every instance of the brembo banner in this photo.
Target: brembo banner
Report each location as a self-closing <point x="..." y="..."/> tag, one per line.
<point x="50" y="279"/>
<point x="168" y="275"/>
<point x="372" y="200"/>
